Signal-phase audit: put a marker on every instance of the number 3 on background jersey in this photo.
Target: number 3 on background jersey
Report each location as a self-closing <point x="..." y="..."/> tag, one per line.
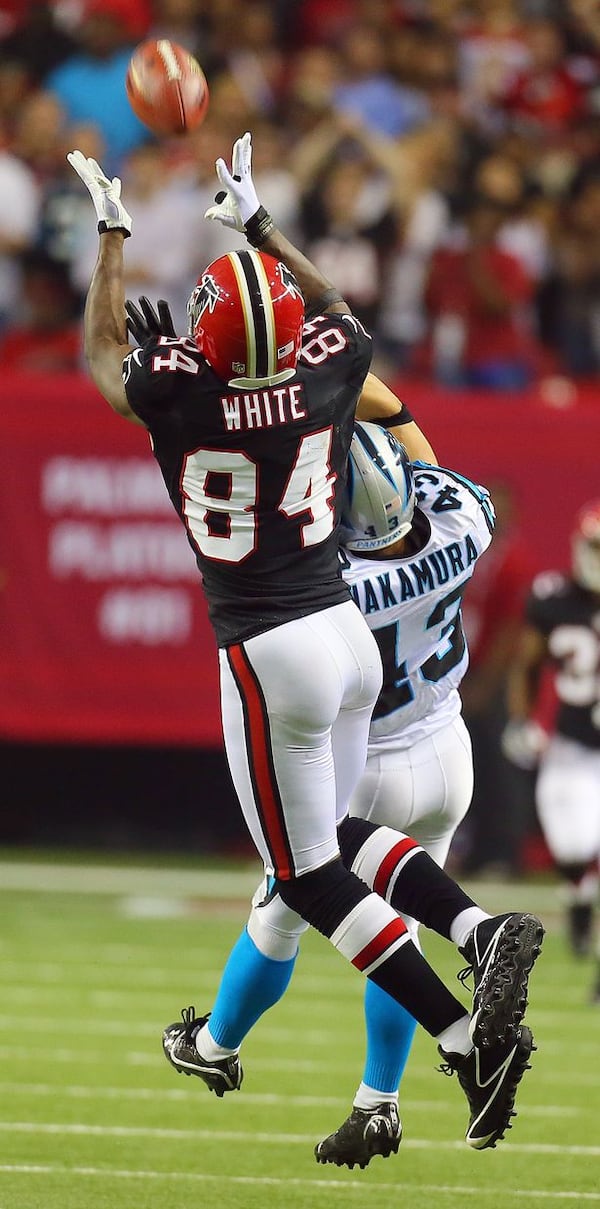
<point x="577" y="652"/>
<point x="222" y="522"/>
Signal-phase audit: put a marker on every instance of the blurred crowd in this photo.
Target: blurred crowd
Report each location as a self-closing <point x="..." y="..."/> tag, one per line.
<point x="438" y="159"/>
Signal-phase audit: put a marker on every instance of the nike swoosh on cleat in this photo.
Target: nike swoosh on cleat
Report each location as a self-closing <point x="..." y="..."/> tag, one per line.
<point x="496" y="1077"/>
<point x="492" y="945"/>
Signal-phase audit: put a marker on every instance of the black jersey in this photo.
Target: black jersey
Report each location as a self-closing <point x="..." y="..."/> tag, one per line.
<point x="569" y="616"/>
<point x="256" y="475"/>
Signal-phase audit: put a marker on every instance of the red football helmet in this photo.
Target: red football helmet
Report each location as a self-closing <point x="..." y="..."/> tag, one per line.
<point x="585" y="547"/>
<point x="246" y="315"/>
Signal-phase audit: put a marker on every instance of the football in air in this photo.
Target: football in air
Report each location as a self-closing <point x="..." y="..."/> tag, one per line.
<point x="166" y="87"/>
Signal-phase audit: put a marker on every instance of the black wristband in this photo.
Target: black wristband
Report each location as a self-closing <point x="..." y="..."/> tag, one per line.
<point x="103" y="227"/>
<point x="259" y="227"/>
<point x="320" y="304"/>
<point x="399" y="417"/>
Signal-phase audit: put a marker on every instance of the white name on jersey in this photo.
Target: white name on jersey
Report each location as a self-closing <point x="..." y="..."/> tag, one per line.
<point x="406" y="580"/>
<point x="264" y="408"/>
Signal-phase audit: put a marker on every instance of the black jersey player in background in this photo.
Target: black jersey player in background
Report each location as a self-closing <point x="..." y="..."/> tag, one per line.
<point x="562" y="631"/>
<point x="250" y="419"/>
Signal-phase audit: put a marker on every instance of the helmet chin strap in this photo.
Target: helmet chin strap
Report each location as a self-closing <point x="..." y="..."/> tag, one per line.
<point x="377" y="545"/>
<point x="256" y="383"/>
<point x="395" y="549"/>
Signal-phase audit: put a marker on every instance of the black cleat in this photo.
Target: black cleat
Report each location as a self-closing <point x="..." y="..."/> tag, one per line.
<point x="500" y="952"/>
<point x="580" y="921"/>
<point x="366" y="1132"/>
<point x="224" y="1074"/>
<point x="489" y="1078"/>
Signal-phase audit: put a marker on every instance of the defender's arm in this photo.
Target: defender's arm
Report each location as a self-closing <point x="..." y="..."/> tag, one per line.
<point x="380" y="405"/>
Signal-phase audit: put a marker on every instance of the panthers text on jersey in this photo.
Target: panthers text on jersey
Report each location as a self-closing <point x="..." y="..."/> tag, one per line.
<point x="569" y="617"/>
<point x="256" y="476"/>
<point x="412" y="605"/>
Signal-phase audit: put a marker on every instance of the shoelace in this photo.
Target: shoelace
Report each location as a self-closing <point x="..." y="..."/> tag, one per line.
<point x="192" y="1022"/>
<point x="464" y="975"/>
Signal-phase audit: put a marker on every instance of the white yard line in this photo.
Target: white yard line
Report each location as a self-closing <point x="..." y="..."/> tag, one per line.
<point x="154" y="883"/>
<point x="266" y="1099"/>
<point x="129" y="880"/>
<point x="140" y="1059"/>
<point x="256" y="1136"/>
<point x="349" y="1185"/>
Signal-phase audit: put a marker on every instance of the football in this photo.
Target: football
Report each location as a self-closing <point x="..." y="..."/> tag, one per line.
<point x="166" y="87"/>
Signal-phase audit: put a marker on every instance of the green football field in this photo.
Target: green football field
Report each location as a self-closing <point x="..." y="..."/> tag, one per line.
<point x="97" y="957"/>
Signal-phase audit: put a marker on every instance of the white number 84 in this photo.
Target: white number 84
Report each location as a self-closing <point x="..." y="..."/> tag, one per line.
<point x="224" y="526"/>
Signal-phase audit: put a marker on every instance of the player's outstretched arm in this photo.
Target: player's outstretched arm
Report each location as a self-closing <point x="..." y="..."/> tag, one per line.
<point x="380" y="405"/>
<point x="105" y="330"/>
<point x="237" y="206"/>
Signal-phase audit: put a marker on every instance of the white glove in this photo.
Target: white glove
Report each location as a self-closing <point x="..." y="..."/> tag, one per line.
<point x="225" y="209"/>
<point x="523" y="741"/>
<point x="238" y="202"/>
<point x="105" y="194"/>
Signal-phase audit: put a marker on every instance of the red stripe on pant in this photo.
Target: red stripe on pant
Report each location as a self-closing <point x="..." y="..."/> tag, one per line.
<point x="260" y="752"/>
<point x="377" y="946"/>
<point x="389" y="863"/>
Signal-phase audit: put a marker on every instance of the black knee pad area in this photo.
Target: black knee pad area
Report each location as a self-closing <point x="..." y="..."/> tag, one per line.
<point x="324" y="897"/>
<point x="352" y="834"/>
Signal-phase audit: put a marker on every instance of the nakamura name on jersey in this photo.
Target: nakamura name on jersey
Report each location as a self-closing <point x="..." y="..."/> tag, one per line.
<point x="256" y="476"/>
<point x="412" y="605"/>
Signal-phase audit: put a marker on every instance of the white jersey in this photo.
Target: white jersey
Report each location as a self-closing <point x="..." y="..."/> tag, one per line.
<point x="412" y="605"/>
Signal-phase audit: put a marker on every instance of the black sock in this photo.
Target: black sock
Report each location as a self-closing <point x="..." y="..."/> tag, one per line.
<point x="331" y="899"/>
<point x="403" y="874"/>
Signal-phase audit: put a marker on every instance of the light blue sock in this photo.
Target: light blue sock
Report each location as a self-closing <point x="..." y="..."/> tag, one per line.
<point x="390" y="1031"/>
<point x="250" y="984"/>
